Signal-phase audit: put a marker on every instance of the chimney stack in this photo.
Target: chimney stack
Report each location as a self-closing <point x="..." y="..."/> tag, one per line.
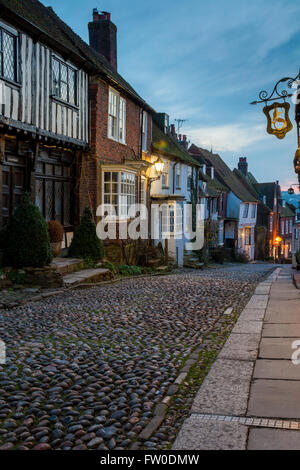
<point x="243" y="165"/>
<point x="103" y="36"/>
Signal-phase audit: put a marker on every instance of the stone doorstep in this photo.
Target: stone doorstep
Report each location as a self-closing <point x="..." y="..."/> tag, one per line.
<point x="67" y="265"/>
<point x="87" y="275"/>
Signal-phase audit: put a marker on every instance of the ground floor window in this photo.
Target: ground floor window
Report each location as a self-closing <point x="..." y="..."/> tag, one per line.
<point x="119" y="191"/>
<point x="247" y="235"/>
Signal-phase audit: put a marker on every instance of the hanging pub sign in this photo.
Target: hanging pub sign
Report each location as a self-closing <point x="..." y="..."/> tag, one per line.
<point x="278" y="119"/>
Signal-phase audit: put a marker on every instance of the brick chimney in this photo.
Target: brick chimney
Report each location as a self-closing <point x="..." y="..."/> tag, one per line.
<point x="243" y="165"/>
<point x="103" y="36"/>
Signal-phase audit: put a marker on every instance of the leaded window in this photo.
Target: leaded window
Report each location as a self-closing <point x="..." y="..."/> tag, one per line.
<point x="63" y="81"/>
<point x="8" y="61"/>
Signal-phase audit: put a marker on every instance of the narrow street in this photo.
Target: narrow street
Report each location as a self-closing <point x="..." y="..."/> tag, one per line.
<point x="86" y="369"/>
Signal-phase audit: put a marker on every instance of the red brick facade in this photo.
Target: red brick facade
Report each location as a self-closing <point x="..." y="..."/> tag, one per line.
<point x="105" y="150"/>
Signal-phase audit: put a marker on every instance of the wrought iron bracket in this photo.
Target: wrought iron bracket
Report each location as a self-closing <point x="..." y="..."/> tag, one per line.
<point x="276" y="94"/>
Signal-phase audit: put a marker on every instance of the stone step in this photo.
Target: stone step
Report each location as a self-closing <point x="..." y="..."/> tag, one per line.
<point x="87" y="276"/>
<point x="68" y="265"/>
<point x="194" y="265"/>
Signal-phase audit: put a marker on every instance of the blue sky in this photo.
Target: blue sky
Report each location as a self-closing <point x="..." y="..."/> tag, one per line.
<point x="204" y="62"/>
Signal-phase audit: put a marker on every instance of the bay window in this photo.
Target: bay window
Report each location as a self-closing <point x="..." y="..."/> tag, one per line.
<point x="116" y="117"/>
<point x="119" y="191"/>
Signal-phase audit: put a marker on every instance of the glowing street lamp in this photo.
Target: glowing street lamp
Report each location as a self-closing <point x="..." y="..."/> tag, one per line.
<point x="159" y="166"/>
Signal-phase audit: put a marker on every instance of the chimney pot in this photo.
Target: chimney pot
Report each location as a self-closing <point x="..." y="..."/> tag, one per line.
<point x="243" y="165"/>
<point x="184" y="138"/>
<point x="103" y="36"/>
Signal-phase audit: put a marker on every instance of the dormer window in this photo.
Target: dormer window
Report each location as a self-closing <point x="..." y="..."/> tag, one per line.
<point x="8" y="55"/>
<point x="63" y="81"/>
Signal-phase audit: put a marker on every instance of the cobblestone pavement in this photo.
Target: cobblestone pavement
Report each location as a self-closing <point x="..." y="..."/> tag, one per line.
<point x="85" y="368"/>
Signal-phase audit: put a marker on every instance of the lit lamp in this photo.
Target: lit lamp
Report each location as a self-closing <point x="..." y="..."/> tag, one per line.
<point x="159" y="166"/>
<point x="278" y="240"/>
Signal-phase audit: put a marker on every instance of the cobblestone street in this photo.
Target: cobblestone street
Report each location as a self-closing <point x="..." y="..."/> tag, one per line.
<point x="85" y="369"/>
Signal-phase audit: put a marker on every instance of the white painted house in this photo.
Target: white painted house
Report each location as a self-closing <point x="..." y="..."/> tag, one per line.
<point x="172" y="191"/>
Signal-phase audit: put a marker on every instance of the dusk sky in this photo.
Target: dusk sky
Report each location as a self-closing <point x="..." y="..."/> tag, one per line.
<point x="204" y="62"/>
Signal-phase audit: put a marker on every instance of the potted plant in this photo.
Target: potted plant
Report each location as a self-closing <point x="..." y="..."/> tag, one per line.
<point x="56" y="234"/>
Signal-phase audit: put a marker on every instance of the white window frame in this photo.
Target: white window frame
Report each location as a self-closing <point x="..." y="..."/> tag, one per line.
<point x="144" y="131"/>
<point x="245" y="211"/>
<point x="178" y="176"/>
<point x="253" y="211"/>
<point x="116" y="121"/>
<point x="143" y="190"/>
<point x="189" y="178"/>
<point x="115" y="190"/>
<point x="287" y="226"/>
<point x="165" y="174"/>
<point x="282" y="227"/>
<point x="291" y="226"/>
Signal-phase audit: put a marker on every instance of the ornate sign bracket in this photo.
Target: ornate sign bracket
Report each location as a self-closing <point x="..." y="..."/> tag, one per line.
<point x="276" y="93"/>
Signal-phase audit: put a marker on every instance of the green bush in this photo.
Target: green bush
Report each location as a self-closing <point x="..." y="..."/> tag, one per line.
<point x="85" y="243"/>
<point x="26" y="241"/>
<point x="129" y="270"/>
<point x="241" y="258"/>
<point x="110" y="266"/>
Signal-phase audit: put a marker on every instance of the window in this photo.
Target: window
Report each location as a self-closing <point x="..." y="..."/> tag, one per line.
<point x="143" y="190"/>
<point x="119" y="191"/>
<point x="291" y="226"/>
<point x="165" y="175"/>
<point x="144" y="131"/>
<point x="287" y="226"/>
<point x="8" y="56"/>
<point x="247" y="236"/>
<point x="246" y="211"/>
<point x="190" y="178"/>
<point x="253" y="211"/>
<point x="178" y="175"/>
<point x="282" y="227"/>
<point x="63" y="81"/>
<point x="116" y="117"/>
<point x="271" y="223"/>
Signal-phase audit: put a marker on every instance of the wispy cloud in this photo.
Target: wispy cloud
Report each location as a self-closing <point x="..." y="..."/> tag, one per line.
<point x="228" y="137"/>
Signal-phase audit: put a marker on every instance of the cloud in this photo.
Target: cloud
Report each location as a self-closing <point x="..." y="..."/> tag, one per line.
<point x="227" y="137"/>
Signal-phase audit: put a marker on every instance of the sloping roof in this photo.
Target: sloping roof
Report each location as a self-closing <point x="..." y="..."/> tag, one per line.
<point x="245" y="180"/>
<point x="268" y="190"/>
<point x="54" y="29"/>
<point x="167" y="145"/>
<point x="287" y="211"/>
<point x="224" y="174"/>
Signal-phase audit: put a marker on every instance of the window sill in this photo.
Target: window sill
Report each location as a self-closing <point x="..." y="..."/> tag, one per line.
<point x="116" y="140"/>
<point x="10" y="82"/>
<point x="64" y="103"/>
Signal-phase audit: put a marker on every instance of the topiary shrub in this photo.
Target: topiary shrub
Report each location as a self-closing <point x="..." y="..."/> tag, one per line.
<point x="85" y="243"/>
<point x="56" y="231"/>
<point x="27" y="241"/>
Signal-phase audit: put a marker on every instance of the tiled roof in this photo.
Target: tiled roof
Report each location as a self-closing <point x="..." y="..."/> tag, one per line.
<point x="268" y="190"/>
<point x="53" y="28"/>
<point x="167" y="145"/>
<point x="224" y="174"/>
<point x="287" y="211"/>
